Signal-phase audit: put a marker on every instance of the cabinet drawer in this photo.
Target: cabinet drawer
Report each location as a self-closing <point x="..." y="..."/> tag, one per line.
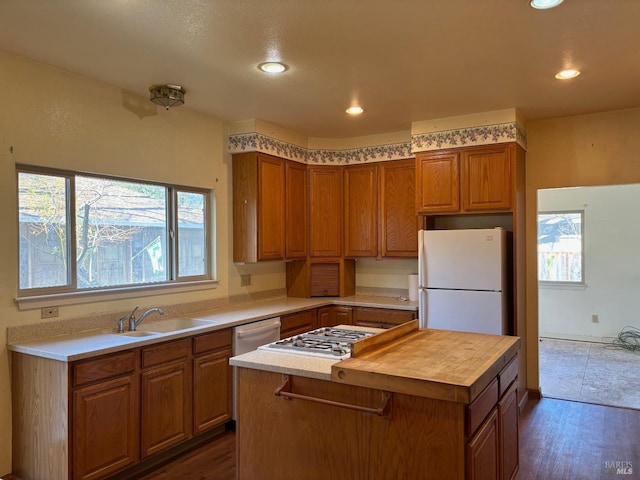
<point x="165" y="352"/>
<point x="481" y="406"/>
<point x="93" y="370"/>
<point x="381" y="316"/>
<point x="507" y="375"/>
<point x="210" y="342"/>
<point x="298" y="323"/>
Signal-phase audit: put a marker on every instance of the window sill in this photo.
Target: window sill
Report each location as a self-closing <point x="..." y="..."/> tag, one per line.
<point x="562" y="286"/>
<point x="76" y="298"/>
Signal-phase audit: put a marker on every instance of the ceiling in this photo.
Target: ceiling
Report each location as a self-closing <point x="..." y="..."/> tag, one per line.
<point x="401" y="60"/>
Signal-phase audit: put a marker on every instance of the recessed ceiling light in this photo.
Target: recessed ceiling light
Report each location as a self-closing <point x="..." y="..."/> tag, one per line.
<point x="567" y="74"/>
<point x="272" y="67"/>
<point x="544" y="4"/>
<point x="354" y="110"/>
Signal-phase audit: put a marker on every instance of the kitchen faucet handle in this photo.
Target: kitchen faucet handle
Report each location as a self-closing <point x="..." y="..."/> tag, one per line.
<point x="133" y="313"/>
<point x="121" y="321"/>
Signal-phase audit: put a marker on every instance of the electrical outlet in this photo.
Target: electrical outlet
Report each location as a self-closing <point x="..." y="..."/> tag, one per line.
<point x="594" y="318"/>
<point x="245" y="280"/>
<point x="49" y="312"/>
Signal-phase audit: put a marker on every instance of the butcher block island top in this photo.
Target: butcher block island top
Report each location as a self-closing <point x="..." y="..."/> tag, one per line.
<point x="439" y="364"/>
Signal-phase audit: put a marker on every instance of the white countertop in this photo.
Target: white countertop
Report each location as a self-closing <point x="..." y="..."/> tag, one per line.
<point x="90" y="343"/>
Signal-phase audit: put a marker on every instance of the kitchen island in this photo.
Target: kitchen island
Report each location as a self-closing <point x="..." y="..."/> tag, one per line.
<point x="409" y="404"/>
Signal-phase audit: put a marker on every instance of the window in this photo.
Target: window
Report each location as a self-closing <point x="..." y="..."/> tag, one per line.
<point x="561" y="247"/>
<point x="82" y="232"/>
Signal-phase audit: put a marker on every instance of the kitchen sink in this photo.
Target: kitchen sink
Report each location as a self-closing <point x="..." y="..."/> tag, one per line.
<point x="139" y="333"/>
<point x="172" y="325"/>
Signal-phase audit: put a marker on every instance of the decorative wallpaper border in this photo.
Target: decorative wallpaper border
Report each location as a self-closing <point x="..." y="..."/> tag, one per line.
<point x="482" y="135"/>
<point x="256" y="142"/>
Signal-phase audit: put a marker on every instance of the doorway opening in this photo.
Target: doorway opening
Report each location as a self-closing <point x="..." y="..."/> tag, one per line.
<point x="588" y="284"/>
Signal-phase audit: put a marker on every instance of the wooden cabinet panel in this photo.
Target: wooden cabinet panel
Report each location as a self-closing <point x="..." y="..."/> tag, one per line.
<point x="108" y="366"/>
<point x="211" y="390"/>
<point x="335" y="315"/>
<point x="361" y="211"/>
<point x="166" y="352"/>
<point x="209" y="342"/>
<point x="166" y="398"/>
<point x="398" y="219"/>
<point x="381" y="317"/>
<point x="297" y="323"/>
<point x="482" y="451"/>
<point x="271" y="208"/>
<point x="325" y="279"/>
<point x="325" y="218"/>
<point x="105" y="435"/>
<point x="486" y="174"/>
<point x="508" y="428"/>
<point x="296" y="207"/>
<point x="258" y="207"/>
<point x="437" y="182"/>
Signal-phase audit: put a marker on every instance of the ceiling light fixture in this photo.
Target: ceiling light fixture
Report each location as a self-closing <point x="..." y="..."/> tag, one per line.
<point x="354" y="110"/>
<point x="567" y="74"/>
<point x="272" y="67"/>
<point x="544" y="4"/>
<point x="167" y="95"/>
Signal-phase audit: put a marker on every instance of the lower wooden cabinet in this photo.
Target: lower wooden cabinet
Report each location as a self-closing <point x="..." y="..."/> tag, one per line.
<point x="298" y="323"/>
<point x="381" y="317"/>
<point x="335" y="315"/>
<point x="93" y="418"/>
<point x="482" y="451"/>
<point x="508" y="428"/>
<point x="105" y="435"/>
<point x="165" y="404"/>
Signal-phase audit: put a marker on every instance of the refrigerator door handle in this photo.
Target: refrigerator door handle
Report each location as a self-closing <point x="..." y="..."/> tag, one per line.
<point x="422" y="258"/>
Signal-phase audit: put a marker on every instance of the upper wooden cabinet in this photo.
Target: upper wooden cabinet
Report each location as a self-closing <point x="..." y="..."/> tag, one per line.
<point x="379" y="210"/>
<point x="466" y="180"/>
<point x="296" y="208"/>
<point x="258" y="207"/>
<point x="361" y="211"/>
<point x="398" y="219"/>
<point x="325" y="211"/>
<point x="269" y="208"/>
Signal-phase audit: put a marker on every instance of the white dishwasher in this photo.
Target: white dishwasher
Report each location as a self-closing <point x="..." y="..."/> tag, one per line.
<point x="248" y="337"/>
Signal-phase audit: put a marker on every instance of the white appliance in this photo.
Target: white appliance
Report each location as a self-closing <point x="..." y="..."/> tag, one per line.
<point x="462" y="280"/>
<point x="248" y="337"/>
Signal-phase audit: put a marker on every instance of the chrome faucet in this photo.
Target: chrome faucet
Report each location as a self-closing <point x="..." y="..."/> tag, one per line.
<point x="133" y="323"/>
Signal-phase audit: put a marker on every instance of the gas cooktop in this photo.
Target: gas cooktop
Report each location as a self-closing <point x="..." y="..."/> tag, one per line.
<point x="326" y="342"/>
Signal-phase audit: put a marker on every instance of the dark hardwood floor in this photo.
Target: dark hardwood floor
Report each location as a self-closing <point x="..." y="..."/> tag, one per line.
<point x="570" y="440"/>
<point x="559" y="440"/>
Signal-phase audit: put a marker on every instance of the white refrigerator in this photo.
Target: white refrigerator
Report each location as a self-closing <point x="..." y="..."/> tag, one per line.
<point x="462" y="280"/>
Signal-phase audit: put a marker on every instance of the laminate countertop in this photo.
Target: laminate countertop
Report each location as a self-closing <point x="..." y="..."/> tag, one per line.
<point x="52" y="341"/>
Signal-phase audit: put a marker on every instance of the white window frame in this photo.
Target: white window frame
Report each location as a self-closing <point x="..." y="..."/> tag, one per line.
<point x="561" y="283"/>
<point x="71" y="294"/>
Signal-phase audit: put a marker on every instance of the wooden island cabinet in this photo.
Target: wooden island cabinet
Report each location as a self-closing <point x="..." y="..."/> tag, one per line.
<point x="427" y="404"/>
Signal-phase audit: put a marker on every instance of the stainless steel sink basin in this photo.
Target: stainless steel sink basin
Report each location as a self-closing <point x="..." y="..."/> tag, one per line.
<point x="171" y="325"/>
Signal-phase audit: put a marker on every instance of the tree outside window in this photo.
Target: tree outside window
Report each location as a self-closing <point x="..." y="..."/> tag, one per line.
<point x="561" y="247"/>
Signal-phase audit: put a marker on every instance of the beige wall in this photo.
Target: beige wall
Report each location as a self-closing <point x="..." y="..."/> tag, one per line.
<point x="56" y="119"/>
<point x="596" y="149"/>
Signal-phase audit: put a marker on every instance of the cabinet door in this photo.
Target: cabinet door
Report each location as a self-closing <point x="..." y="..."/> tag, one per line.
<point x="105" y="434"/>
<point x="486" y="178"/>
<point x="166" y="406"/>
<point x="482" y="451"/>
<point x="326" y="318"/>
<point x="361" y="211"/>
<point x="398" y="219"/>
<point x="437" y="182"/>
<point x="381" y="317"/>
<point x="508" y="428"/>
<point x="325" y="198"/>
<point x="211" y="390"/>
<point x="271" y="209"/>
<point x="297" y="218"/>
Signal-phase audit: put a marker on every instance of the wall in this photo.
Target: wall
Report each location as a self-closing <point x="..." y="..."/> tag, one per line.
<point x="612" y="279"/>
<point x="56" y="119"/>
<point x="595" y="149"/>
